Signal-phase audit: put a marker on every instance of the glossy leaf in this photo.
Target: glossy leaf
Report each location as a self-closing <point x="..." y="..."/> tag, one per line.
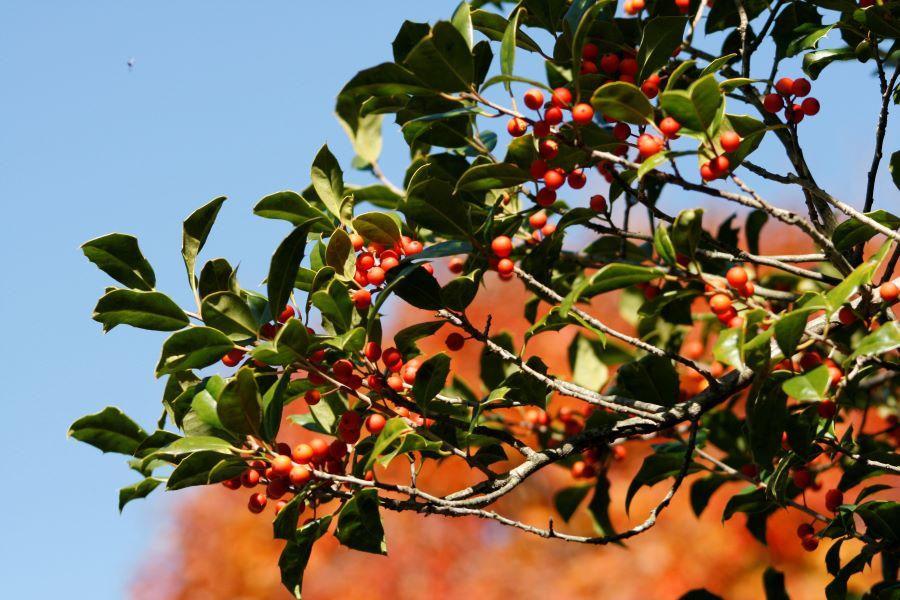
<point x="109" y="430"/>
<point x="359" y="524"/>
<point x="142" y="309"/>
<point x="239" y="405"/>
<point x="192" y="348"/>
<point x="623" y="102"/>
<point x="195" y="230"/>
<point x="227" y="312"/>
<point x="119" y="256"/>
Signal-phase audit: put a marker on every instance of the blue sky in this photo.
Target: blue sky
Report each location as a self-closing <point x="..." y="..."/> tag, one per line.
<point x="225" y="97"/>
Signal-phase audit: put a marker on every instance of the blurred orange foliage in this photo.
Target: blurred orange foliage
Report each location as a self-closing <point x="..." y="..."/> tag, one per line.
<point x="214" y="548"/>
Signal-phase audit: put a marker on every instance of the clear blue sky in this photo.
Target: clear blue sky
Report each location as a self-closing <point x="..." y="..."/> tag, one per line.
<point x="225" y="97"/>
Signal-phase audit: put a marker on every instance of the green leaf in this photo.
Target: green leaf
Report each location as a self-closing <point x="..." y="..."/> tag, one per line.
<point x="195" y="230"/>
<point x="661" y="36"/>
<point x="588" y="370"/>
<point x="462" y="20"/>
<point x="568" y="499"/>
<point x="814" y="62"/>
<point x="294" y="338"/>
<point x="663" y="244"/>
<point x="750" y="500"/>
<point x="492" y="176"/>
<point x="227" y="312"/>
<point x="429" y="202"/>
<point x="239" y="405"/>
<point x="146" y="310"/>
<point x="291" y="207"/>
<point x="508" y="48"/>
<point x="296" y="554"/>
<point x="766" y="418"/>
<point x="696" y="108"/>
<point x="493" y="26"/>
<point x="700" y="594"/>
<point x="141" y="489"/>
<point x="285" y="524"/>
<point x="217" y="276"/>
<point x="773" y="583"/>
<point x="651" y="379"/>
<point x="881" y="341"/>
<point x="359" y="525"/>
<point x="405" y="339"/>
<point x="377" y="227"/>
<point x="894" y="168"/>
<point x="651" y="163"/>
<point x="687" y="230"/>
<point x="716" y="65"/>
<point x="702" y="490"/>
<point x="394" y="429"/>
<point x="442" y="59"/>
<point x="364" y="132"/>
<point x="192" y="444"/>
<point x="192" y="348"/>
<point x="109" y="430"/>
<point x="655" y="468"/>
<point x="195" y="469"/>
<point x="335" y="305"/>
<point x="430" y="378"/>
<point x="416" y="286"/>
<point x="861" y="275"/>
<point x="789" y="330"/>
<point x="119" y="256"/>
<point x="623" y="102"/>
<point x="609" y="277"/>
<point x="284" y="267"/>
<point x="460" y="291"/>
<point x="811" y="385"/>
<point x="729" y="348"/>
<point x="338" y="253"/>
<point x="328" y="180"/>
<point x="852" y="232"/>
<point x="598" y="508"/>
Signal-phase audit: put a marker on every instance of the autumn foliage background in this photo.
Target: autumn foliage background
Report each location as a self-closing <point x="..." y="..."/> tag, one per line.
<point x="438" y="557"/>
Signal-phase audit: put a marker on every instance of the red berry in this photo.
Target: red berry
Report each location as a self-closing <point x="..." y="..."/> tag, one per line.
<point x="561" y="97"/>
<point x="505" y="266"/>
<point x="794" y="113"/>
<point x="319" y="448"/>
<point x="375" y="423"/>
<point x="257" y="503"/>
<point x="810" y="543"/>
<point x="888" y="292"/>
<point x="548" y="229"/>
<point x="362" y="299"/>
<point x="826" y="409"/>
<point x="810" y="106"/>
<point x="773" y="103"/>
<point x="538" y="168"/>
<point x="386" y="265"/>
<point x="621" y="131"/>
<point x="456" y="265"/>
<point x="588" y="67"/>
<point x="833" y="499"/>
<point x="720" y="165"/>
<point x="784" y="85"/>
<point x="548" y="149"/>
<point x="650" y="89"/>
<point x="720" y="303"/>
<point x="598" y="203"/>
<point x="517" y="127"/>
<point x="546" y="197"/>
<point x="501" y="246"/>
<point x="455" y="341"/>
<point x="538" y="219"/>
<point x="233" y="357"/>
<point x="582" y="113"/>
<point x="302" y="454"/>
<point x="312" y="397"/>
<point x="801" y="87"/>
<point x="373" y="351"/>
<point x="805" y="529"/>
<point x="628" y="66"/>
<point x="286" y="314"/>
<point x="802" y="478"/>
<point x="250" y="478"/>
<point x="534" y="99"/>
<point x="669" y="127"/>
<point x="554" y="179"/>
<point x="590" y="51"/>
<point x="576" y="179"/>
<point x="281" y="465"/>
<point x="648" y="145"/>
<point x="730" y="141"/>
<point x="553" y="115"/>
<point x="300" y="475"/>
<point x="737" y="276"/>
<point x="846" y="316"/>
<point x="750" y="470"/>
<point x="375" y="276"/>
<point x="609" y="63"/>
<point x="706" y="172"/>
<point x="541" y="129"/>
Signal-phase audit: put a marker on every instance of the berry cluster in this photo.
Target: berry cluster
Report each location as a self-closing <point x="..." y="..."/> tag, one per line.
<point x="787" y="92"/>
<point x="720" y="302"/>
<point x="375" y="260"/>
